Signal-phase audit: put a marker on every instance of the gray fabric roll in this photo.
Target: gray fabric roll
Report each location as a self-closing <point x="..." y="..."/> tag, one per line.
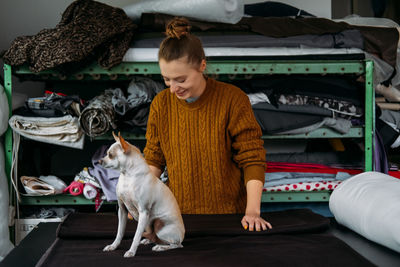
<point x="340" y="125"/>
<point x="344" y="39"/>
<point x="97" y="118"/>
<point x="391" y="117"/>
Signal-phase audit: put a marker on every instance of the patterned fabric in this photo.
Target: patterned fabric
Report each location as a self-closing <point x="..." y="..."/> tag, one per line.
<point x="88" y="30"/>
<point x="304" y="186"/>
<point x="342" y="108"/>
<point x="212" y="148"/>
<point x="98" y="115"/>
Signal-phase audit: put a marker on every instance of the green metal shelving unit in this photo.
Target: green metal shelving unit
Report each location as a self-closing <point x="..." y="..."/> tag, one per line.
<point x="216" y="68"/>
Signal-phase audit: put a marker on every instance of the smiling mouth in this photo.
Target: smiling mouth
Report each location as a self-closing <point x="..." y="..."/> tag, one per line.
<point x="181" y="93"/>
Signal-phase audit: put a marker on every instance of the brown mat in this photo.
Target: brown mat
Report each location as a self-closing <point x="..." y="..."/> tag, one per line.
<point x="297" y="239"/>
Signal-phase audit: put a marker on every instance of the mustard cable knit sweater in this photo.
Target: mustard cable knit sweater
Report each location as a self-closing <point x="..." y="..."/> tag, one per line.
<point x="212" y="148"/>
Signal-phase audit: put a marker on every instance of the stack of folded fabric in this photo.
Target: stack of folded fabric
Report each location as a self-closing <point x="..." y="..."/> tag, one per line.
<point x="64" y="131"/>
<point x="304" y="177"/>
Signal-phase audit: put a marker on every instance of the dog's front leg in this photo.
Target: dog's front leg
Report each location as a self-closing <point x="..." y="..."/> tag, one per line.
<point x="142" y="223"/>
<point x="122" y="218"/>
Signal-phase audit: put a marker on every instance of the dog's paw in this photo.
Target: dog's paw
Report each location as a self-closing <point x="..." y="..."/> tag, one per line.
<point x="166" y="247"/>
<point x="129" y="254"/>
<point x="109" y="248"/>
<point x="145" y="241"/>
<point x="160" y="248"/>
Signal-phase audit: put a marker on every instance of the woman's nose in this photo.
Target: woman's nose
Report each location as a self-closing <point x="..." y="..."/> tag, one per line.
<point x="173" y="87"/>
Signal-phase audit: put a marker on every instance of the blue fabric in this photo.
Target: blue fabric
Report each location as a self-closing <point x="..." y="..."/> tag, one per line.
<point x="107" y="178"/>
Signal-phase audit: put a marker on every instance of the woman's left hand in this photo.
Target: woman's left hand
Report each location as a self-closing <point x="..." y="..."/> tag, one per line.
<point x="255" y="222"/>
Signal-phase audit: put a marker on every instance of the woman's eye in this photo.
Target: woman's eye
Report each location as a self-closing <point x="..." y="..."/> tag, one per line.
<point x="180" y="80"/>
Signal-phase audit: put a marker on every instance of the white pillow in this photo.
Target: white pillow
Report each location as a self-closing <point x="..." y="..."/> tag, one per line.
<point x="226" y="11"/>
<point x="4" y="111"/>
<point x="369" y="204"/>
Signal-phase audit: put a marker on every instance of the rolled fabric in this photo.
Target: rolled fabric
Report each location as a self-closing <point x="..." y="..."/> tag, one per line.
<point x="368" y="204"/>
<point x="75" y="188"/>
<point x="97" y="117"/>
<point x="90" y="191"/>
<point x="43" y="185"/>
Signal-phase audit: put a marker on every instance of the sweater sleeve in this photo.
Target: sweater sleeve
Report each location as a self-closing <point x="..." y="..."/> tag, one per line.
<point x="153" y="152"/>
<point x="247" y="144"/>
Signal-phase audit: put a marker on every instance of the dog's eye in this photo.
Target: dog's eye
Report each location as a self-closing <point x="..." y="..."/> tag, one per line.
<point x="110" y="155"/>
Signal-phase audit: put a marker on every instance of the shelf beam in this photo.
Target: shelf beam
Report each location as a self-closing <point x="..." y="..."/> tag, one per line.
<point x="214" y="67"/>
<point x="312" y="196"/>
<point x="59" y="200"/>
<point x="369" y="117"/>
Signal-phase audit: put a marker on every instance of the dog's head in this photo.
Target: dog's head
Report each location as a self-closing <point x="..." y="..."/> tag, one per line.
<point x="119" y="155"/>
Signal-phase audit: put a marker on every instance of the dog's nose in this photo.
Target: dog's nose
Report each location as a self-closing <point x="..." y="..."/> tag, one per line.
<point x="100" y="162"/>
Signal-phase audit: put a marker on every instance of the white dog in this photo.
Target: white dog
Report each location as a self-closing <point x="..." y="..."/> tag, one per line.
<point x="148" y="200"/>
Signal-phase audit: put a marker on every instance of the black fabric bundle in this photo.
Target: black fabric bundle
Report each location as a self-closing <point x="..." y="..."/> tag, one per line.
<point x="297" y="239"/>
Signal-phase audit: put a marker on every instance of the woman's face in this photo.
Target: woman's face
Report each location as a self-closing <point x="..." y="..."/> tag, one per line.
<point x="183" y="79"/>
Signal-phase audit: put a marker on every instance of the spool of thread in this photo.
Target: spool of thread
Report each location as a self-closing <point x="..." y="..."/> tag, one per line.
<point x="75" y="188"/>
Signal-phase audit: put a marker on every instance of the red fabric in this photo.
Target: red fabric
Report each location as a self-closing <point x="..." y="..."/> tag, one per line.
<point x="47" y="92"/>
<point x="306" y="167"/>
<point x="395" y="174"/>
<point x="75" y="188"/>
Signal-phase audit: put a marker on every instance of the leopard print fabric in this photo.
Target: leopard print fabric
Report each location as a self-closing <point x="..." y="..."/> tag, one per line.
<point x="88" y="31"/>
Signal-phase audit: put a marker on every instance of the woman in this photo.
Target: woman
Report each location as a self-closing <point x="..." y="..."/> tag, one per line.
<point x="205" y="132"/>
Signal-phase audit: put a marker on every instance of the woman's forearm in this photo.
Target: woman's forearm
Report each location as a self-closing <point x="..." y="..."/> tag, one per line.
<point x="155" y="170"/>
<point x="254" y="191"/>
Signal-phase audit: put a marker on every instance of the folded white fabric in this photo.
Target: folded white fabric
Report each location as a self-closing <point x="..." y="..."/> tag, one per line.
<point x="226" y="11"/>
<point x="43" y="185"/>
<point x="368" y="203"/>
<point x="64" y="131"/>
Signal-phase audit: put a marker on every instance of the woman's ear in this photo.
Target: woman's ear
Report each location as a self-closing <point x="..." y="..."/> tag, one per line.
<point x="203" y="65"/>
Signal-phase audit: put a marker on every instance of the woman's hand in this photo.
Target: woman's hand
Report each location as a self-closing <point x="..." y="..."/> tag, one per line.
<point x="252" y="219"/>
<point x="255" y="222"/>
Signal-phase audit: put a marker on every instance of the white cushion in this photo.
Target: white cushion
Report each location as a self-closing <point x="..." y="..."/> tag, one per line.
<point x="369" y="204"/>
<point x="4" y="111"/>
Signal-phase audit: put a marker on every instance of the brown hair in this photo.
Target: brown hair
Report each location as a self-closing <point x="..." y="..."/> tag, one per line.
<point x="180" y="43"/>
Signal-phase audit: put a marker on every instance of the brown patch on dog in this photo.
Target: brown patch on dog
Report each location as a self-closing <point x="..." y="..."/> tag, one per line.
<point x="125" y="146"/>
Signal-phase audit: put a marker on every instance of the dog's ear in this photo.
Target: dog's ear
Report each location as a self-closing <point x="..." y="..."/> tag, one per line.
<point x="125" y="146"/>
<point x="115" y="137"/>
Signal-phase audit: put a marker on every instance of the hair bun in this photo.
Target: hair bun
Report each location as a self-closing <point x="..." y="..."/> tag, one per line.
<point x="177" y="28"/>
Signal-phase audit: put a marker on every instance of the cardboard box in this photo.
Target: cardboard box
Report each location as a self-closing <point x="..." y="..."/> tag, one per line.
<point x="24" y="226"/>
